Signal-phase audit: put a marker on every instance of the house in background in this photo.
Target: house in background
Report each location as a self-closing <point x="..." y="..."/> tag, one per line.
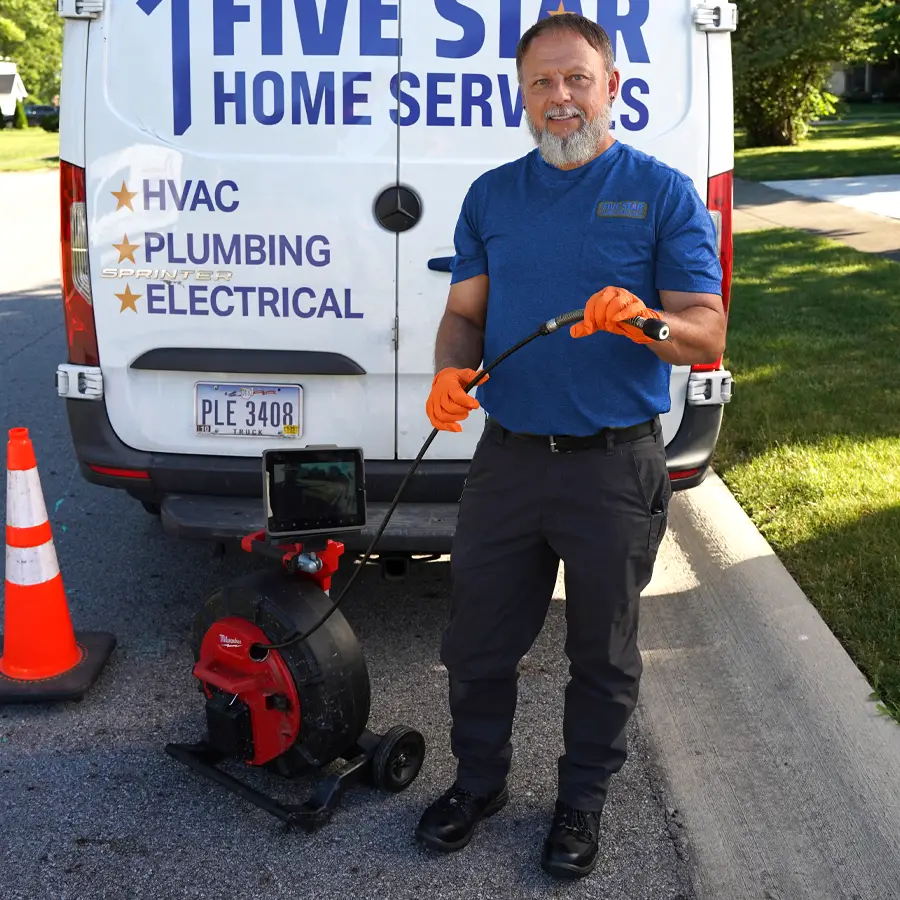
<point x="11" y="88"/>
<point x="866" y="82"/>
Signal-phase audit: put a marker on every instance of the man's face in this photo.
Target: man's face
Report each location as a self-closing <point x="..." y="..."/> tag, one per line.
<point x="567" y="97"/>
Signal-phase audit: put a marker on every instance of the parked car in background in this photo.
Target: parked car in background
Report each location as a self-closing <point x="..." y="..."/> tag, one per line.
<point x="39" y="114"/>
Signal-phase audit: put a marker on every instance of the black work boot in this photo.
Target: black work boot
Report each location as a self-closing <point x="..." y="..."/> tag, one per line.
<point x="449" y="823"/>
<point x="571" y="847"/>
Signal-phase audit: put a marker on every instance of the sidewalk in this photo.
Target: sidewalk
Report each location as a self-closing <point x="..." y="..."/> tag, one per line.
<point x="876" y="194"/>
<point x="757" y="206"/>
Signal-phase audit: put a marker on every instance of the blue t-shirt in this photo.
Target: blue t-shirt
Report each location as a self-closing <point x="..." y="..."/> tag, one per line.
<point x="548" y="239"/>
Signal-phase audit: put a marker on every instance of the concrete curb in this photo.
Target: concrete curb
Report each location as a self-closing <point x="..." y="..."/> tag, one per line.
<point x="785" y="777"/>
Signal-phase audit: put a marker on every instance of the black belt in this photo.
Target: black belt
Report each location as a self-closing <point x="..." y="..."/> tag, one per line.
<point x="570" y="443"/>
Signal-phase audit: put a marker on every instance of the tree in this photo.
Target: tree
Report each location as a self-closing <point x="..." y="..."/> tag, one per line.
<point x="885" y="19"/>
<point x="783" y="53"/>
<point x="10" y="33"/>
<point x="31" y="36"/>
<point x="885" y="50"/>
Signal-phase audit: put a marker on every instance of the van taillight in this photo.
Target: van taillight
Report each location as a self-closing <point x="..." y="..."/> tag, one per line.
<point x="81" y="332"/>
<point x="719" y="202"/>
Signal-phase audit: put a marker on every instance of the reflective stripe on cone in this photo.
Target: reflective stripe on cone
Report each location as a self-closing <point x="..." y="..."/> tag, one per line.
<point x="28" y="566"/>
<point x="25" y="505"/>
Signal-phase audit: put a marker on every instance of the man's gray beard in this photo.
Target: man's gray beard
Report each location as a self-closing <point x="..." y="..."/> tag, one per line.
<point x="576" y="148"/>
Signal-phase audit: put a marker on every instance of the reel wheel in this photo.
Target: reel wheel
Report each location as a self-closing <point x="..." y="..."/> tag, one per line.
<point x="398" y="759"/>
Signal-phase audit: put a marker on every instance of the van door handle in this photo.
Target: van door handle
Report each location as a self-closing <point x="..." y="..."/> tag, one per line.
<point x="440" y="263"/>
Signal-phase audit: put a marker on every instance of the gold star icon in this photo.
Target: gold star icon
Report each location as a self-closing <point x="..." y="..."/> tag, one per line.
<point x="126" y="249"/>
<point x="560" y="10"/>
<point x="124" y="196"/>
<point x="128" y="299"/>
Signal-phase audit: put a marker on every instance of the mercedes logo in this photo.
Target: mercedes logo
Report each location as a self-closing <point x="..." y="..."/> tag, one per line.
<point x="398" y="209"/>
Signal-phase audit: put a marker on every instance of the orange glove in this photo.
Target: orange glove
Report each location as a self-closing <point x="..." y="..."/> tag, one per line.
<point x="606" y="311"/>
<point x="448" y="403"/>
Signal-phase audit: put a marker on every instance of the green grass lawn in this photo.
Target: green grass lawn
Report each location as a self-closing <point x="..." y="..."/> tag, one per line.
<point x="866" y="142"/>
<point x="30" y="148"/>
<point x="810" y="445"/>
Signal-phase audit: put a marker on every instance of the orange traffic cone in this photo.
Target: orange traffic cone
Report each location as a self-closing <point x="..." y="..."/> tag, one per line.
<point x="41" y="657"/>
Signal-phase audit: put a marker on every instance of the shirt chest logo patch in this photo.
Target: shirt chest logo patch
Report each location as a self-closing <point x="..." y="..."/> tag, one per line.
<point x="622" y="209"/>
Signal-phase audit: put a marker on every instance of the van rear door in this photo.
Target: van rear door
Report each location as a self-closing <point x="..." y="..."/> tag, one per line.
<point x="244" y="293"/>
<point x="460" y="114"/>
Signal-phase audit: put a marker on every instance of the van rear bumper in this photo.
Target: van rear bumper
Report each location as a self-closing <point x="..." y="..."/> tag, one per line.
<point x="219" y="498"/>
<point x="417" y="528"/>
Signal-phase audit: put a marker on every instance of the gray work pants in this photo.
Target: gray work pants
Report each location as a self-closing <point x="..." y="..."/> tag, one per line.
<point x="603" y="511"/>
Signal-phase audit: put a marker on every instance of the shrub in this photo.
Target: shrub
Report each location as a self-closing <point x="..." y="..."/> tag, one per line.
<point x="20" y="120"/>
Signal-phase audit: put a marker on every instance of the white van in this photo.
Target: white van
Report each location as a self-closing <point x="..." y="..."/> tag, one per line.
<point x="258" y="201"/>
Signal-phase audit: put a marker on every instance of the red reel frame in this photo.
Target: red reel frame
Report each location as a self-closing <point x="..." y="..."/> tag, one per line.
<point x="265" y="687"/>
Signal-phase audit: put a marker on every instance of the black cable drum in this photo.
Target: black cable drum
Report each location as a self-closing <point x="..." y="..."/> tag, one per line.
<point x="328" y="668"/>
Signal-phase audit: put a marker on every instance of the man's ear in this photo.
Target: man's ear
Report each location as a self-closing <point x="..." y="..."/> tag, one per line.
<point x="613" y="84"/>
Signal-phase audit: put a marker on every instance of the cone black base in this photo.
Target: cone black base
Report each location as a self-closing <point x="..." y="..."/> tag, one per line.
<point x="96" y="647"/>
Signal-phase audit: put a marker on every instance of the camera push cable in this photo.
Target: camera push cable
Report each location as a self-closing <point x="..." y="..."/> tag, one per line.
<point x="653" y="328"/>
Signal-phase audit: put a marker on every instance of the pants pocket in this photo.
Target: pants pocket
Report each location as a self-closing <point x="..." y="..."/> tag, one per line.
<point x="477" y="468"/>
<point x="655" y="488"/>
<point x="658" y="525"/>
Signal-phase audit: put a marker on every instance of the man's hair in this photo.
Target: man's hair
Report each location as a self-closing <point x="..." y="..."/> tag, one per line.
<point x="590" y="31"/>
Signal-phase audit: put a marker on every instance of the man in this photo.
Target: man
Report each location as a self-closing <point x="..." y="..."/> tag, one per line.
<point x="581" y="221"/>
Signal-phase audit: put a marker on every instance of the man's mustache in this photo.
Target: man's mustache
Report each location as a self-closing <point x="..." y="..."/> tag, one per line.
<point x="563" y="112"/>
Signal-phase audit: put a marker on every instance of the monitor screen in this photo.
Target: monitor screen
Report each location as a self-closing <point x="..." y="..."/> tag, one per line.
<point x="313" y="491"/>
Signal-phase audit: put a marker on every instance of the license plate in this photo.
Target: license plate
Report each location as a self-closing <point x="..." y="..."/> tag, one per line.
<point x="248" y="410"/>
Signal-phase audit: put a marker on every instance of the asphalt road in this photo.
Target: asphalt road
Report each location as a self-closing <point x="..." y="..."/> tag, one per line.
<point x="93" y="807"/>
